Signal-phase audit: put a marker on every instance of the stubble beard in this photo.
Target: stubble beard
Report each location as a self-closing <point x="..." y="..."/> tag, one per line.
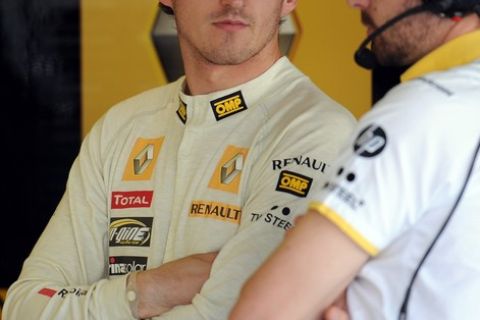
<point x="406" y="42"/>
<point x="231" y="49"/>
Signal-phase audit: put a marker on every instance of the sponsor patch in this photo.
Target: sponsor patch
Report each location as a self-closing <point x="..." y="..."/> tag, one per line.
<point x="347" y="197"/>
<point x="229" y="105"/>
<point x="47" y="292"/>
<point x="274" y="218"/>
<point x="131" y="199"/>
<point x="215" y="210"/>
<point x="227" y="174"/>
<point x="123" y="265"/>
<point x="370" y="142"/>
<point x="78" y="292"/>
<point x="306" y="161"/>
<point x="182" y="112"/>
<point x="294" y="183"/>
<point x="135" y="232"/>
<point x="142" y="159"/>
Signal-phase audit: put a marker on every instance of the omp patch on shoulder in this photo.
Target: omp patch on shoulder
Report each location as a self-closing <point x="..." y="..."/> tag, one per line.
<point x="228" y="105"/>
<point x="294" y="183"/>
<point x="182" y="111"/>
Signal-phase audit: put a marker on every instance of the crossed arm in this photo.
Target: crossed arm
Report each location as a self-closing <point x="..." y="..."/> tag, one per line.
<point x="313" y="265"/>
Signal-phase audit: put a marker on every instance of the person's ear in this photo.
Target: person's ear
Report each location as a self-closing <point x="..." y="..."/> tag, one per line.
<point x="288" y="6"/>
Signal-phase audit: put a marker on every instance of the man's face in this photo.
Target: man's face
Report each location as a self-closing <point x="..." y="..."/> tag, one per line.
<point x="406" y="41"/>
<point x="227" y="32"/>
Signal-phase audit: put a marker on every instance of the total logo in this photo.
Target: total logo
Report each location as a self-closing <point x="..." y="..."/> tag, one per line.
<point x="131" y="199"/>
<point x="123" y="265"/>
<point x="274" y="218"/>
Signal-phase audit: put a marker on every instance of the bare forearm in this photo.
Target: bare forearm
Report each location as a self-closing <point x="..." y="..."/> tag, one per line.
<point x="315" y="262"/>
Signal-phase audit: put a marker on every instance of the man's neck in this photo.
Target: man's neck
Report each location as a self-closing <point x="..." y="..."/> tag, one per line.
<point x="466" y="25"/>
<point x="204" y="77"/>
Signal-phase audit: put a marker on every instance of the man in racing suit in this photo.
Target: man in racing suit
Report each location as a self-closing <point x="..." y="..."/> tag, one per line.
<point x="219" y="161"/>
<point x="400" y="213"/>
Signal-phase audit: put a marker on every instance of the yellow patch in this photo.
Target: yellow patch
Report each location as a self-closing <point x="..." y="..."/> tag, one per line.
<point x="142" y="159"/>
<point x="215" y="210"/>
<point x="228" y="105"/>
<point x="228" y="173"/>
<point x="294" y="183"/>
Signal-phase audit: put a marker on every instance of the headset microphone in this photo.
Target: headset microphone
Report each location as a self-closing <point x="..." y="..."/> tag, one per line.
<point x="365" y="58"/>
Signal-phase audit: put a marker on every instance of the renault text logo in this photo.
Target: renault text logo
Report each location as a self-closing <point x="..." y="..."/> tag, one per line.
<point x="215" y="210"/>
<point x="228" y="105"/>
<point x="228" y="172"/>
<point x="142" y="159"/>
<point x="294" y="183"/>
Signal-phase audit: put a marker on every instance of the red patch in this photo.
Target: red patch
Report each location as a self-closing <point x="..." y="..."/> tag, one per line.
<point x="47" y="292"/>
<point x="132" y="199"/>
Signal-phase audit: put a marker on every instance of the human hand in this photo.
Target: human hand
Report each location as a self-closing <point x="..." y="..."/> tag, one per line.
<point x="337" y="310"/>
<point x="172" y="284"/>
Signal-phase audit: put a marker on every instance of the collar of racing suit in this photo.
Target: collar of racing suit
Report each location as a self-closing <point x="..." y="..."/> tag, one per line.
<point x="219" y="105"/>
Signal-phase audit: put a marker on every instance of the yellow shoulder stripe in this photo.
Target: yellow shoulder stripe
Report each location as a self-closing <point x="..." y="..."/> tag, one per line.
<point x="336" y="219"/>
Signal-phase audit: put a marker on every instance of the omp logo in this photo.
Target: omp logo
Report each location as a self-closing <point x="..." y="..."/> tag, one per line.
<point x="294" y="183"/>
<point x="131" y="199"/>
<point x="123" y="265"/>
<point x="142" y="159"/>
<point x="227" y="174"/>
<point x="228" y="105"/>
<point x="215" y="210"/>
<point x="135" y="232"/>
<point x="182" y="112"/>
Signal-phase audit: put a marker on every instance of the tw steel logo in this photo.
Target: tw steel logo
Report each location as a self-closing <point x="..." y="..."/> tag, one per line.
<point x="132" y="199"/>
<point x="135" y="232"/>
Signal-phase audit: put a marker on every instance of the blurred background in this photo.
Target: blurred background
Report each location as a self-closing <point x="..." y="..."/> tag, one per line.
<point x="63" y="63"/>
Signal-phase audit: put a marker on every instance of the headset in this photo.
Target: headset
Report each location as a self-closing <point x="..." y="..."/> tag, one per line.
<point x="365" y="58"/>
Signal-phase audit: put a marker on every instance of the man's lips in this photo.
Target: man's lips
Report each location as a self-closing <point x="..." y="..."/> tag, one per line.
<point x="230" y="24"/>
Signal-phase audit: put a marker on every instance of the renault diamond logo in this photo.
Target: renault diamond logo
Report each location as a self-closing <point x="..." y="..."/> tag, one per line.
<point x="231" y="169"/>
<point x="143" y="160"/>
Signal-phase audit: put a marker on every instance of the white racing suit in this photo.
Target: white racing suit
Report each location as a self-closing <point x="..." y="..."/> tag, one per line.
<point x="164" y="175"/>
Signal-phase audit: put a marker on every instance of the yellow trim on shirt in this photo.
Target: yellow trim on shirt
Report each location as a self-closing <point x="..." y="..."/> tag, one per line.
<point x="340" y="222"/>
<point x="461" y="50"/>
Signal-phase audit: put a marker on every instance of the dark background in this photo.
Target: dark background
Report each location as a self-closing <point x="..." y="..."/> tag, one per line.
<point x="40" y="117"/>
